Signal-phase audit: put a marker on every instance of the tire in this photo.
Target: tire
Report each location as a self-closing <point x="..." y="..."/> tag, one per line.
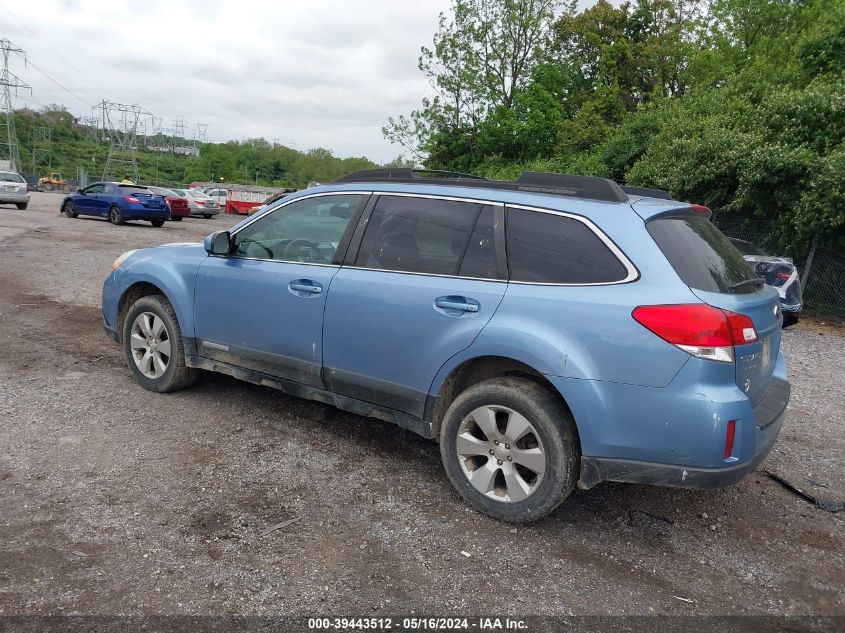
<point x="177" y="218"/>
<point x="70" y="209"/>
<point x="513" y="401"/>
<point x="116" y="215"/>
<point x="207" y="216"/>
<point x="149" y="324"/>
<point x="21" y="205"/>
<point x="157" y="223"/>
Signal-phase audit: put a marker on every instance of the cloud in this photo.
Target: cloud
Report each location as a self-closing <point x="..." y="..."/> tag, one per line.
<point x="311" y="73"/>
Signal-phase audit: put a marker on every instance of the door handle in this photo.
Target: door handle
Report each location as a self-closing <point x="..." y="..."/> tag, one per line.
<point x="306" y="285"/>
<point x="456" y="303"/>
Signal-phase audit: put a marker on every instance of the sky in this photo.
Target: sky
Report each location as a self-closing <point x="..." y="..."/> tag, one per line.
<point x="318" y="73"/>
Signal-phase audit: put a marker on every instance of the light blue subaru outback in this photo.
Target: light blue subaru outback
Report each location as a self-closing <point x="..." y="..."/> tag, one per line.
<point x="548" y="332"/>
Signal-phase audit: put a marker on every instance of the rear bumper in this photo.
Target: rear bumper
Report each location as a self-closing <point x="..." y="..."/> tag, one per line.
<point x="769" y="416"/>
<point x="13" y="198"/>
<point x="205" y="211"/>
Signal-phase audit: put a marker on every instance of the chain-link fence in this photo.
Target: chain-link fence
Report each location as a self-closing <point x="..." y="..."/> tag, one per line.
<point x="821" y="269"/>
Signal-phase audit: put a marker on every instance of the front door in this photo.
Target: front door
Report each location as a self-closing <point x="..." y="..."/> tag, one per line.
<point x="423" y="284"/>
<point x="261" y="307"/>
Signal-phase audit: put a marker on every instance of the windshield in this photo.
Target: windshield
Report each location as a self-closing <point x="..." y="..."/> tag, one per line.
<point x="10" y="176"/>
<point x="702" y="256"/>
<point x="746" y="248"/>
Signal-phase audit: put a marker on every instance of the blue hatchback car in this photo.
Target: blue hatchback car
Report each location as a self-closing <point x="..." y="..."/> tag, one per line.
<point x="549" y="332"/>
<point x="118" y="202"/>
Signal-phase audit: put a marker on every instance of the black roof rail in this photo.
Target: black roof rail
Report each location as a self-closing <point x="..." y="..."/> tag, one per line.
<point x="531" y="181"/>
<point x="401" y="173"/>
<point x="577" y="186"/>
<point x="646" y="192"/>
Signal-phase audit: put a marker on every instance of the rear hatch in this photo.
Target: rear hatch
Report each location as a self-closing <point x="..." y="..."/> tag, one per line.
<point x="718" y="274"/>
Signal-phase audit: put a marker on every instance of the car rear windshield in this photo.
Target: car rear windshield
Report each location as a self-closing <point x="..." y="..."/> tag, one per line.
<point x="702" y="256"/>
<point x="10" y="176"/>
<point x="135" y="189"/>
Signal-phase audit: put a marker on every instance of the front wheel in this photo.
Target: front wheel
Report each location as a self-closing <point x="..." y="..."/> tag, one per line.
<point x="510" y="448"/>
<point x="152" y="344"/>
<point x="157" y="223"/>
<point x="116" y="215"/>
<point x="70" y="209"/>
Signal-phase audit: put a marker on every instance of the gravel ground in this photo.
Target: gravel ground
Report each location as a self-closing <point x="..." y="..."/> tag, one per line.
<point x="115" y="500"/>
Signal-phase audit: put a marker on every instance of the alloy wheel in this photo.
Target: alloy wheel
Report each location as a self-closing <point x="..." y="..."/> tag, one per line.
<point x="500" y="453"/>
<point x="150" y="345"/>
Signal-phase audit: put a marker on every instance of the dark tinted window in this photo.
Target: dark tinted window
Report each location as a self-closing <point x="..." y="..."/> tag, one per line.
<point x="423" y="235"/>
<point x="701" y="255"/>
<point x="746" y="248"/>
<point x="480" y="256"/>
<point x="549" y="248"/>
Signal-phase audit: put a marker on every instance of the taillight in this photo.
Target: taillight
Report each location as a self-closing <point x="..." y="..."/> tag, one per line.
<point x="131" y="199"/>
<point x="201" y="202"/>
<point x="730" y="434"/>
<point x="698" y="329"/>
<point x="783" y="276"/>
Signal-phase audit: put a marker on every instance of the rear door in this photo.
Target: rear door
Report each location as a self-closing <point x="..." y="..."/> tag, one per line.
<point x="418" y="288"/>
<point x="718" y="274"/>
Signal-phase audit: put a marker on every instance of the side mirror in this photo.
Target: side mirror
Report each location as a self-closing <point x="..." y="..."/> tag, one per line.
<point x="81" y="192"/>
<point x="218" y="243"/>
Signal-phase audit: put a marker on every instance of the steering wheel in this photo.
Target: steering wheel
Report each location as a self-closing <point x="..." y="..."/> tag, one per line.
<point x="300" y="244"/>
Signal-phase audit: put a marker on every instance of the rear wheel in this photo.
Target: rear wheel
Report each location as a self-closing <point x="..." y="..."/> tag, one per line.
<point x="177" y="218"/>
<point x="21" y="205"/>
<point x="152" y="344"/>
<point x="70" y="209"/>
<point x="157" y="222"/>
<point x="510" y="448"/>
<point x="116" y="215"/>
<point x="207" y="216"/>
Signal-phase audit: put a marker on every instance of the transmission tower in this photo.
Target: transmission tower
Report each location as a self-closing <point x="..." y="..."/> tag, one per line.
<point x="200" y="136"/>
<point x="41" y="148"/>
<point x="178" y="132"/>
<point x="92" y="128"/>
<point x="8" y="80"/>
<point x="122" y="124"/>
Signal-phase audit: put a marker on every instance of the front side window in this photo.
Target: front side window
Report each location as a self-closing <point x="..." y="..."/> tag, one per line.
<point x="551" y="248"/>
<point x="306" y="231"/>
<point x="433" y="236"/>
<point x="96" y="189"/>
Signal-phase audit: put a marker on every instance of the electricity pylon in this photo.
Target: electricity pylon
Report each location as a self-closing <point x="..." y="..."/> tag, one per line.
<point x="41" y="148"/>
<point x="8" y="138"/>
<point x="122" y="123"/>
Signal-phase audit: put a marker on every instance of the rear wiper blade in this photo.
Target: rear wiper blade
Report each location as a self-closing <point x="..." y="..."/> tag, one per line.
<point x="757" y="281"/>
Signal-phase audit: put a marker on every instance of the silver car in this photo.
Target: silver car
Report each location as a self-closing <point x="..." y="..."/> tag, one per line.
<point x="199" y="203"/>
<point x="13" y="189"/>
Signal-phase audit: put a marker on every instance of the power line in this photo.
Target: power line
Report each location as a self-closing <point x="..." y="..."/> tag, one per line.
<point x="70" y="92"/>
<point x="38" y="37"/>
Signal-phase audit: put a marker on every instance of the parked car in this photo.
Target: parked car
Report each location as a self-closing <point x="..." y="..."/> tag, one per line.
<point x="604" y="336"/>
<point x="118" y="202"/>
<point x="273" y="198"/>
<point x="199" y="203"/>
<point x="177" y="204"/>
<point x="219" y="196"/>
<point x="13" y="189"/>
<point x="780" y="273"/>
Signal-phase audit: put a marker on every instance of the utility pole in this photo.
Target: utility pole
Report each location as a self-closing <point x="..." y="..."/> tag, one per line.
<point x="122" y="123"/>
<point x="8" y="138"/>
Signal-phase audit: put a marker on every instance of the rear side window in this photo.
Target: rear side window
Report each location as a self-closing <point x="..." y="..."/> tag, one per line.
<point x="702" y="256"/>
<point x="423" y="235"/>
<point x="551" y="248"/>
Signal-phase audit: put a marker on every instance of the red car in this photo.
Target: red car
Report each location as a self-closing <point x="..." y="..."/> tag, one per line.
<point x="178" y="206"/>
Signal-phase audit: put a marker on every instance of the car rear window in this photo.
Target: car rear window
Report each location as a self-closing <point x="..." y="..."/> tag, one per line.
<point x="134" y="189"/>
<point x="702" y="256"/>
<point x="551" y="248"/>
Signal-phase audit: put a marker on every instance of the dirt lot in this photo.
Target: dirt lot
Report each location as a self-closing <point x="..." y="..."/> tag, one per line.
<point x="114" y="500"/>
